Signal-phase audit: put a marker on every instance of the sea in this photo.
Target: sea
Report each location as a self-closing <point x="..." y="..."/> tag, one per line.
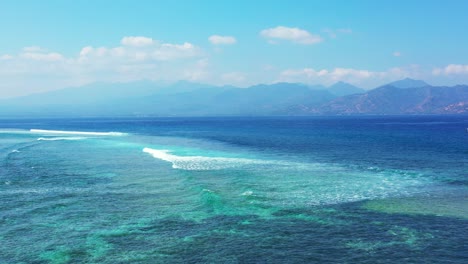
<point x="363" y="189"/>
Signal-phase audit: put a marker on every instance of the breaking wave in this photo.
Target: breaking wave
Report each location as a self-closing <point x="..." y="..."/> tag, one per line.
<point x="60" y="132"/>
<point x="13" y="131"/>
<point x="60" y="138"/>
<point x="200" y="162"/>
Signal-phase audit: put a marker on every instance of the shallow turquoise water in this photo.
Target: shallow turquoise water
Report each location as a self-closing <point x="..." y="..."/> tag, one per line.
<point x="234" y="190"/>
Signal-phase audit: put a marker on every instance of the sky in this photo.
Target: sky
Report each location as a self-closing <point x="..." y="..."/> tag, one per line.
<point x="47" y="45"/>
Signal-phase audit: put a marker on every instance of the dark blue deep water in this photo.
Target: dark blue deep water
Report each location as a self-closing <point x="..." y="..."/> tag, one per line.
<point x="235" y="190"/>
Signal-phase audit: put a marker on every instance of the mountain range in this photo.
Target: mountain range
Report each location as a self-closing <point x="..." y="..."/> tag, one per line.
<point x="146" y="98"/>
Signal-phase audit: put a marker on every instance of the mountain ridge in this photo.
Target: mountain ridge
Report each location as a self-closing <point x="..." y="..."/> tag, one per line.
<point x="408" y="83"/>
<point x="145" y="98"/>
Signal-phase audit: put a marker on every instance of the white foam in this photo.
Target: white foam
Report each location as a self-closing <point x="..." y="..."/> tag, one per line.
<point x="60" y="138"/>
<point x="14" y="131"/>
<point x="60" y="132"/>
<point x="200" y="162"/>
<point x="247" y="193"/>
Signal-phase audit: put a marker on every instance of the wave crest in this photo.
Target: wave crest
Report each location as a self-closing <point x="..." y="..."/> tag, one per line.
<point x="60" y="138"/>
<point x="200" y="162"/>
<point x="60" y="132"/>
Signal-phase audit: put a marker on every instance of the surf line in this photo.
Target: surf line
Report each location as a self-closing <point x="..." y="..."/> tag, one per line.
<point x="60" y="138"/>
<point x="60" y="132"/>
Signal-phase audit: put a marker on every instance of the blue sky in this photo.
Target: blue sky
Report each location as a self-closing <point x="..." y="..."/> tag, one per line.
<point x="49" y="45"/>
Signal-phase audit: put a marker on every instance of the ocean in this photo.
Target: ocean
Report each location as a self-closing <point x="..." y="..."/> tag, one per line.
<point x="368" y="189"/>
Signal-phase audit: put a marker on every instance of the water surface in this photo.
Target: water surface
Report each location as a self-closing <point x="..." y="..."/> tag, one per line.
<point x="234" y="190"/>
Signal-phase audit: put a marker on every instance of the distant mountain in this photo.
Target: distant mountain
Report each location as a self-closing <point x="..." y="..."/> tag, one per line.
<point x="147" y="98"/>
<point x="277" y="99"/>
<point x="389" y="100"/>
<point x="338" y="89"/>
<point x="408" y="83"/>
<point x="317" y="87"/>
<point x="342" y="88"/>
<point x="274" y="99"/>
<point x="178" y="99"/>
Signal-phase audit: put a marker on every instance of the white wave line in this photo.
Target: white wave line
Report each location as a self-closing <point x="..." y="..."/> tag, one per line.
<point x="60" y="138"/>
<point x="199" y="162"/>
<point x="43" y="131"/>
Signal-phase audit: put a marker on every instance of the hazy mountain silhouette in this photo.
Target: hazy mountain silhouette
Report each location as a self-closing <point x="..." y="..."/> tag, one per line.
<point x="146" y="98"/>
<point x="342" y="88"/>
<point x="408" y="83"/>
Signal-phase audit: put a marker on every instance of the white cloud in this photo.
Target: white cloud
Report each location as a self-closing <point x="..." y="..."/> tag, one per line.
<point x="233" y="77"/>
<point x="86" y="51"/>
<point x="198" y="72"/>
<point x="365" y="78"/>
<point x="35" y="69"/>
<point x="336" y="74"/>
<point x="222" y="40"/>
<point x="137" y="41"/>
<point x="397" y="54"/>
<point x="451" y="69"/>
<point x="6" y="57"/>
<point x="52" y="56"/>
<point x="175" y="51"/>
<point x="295" y="35"/>
<point x="155" y="52"/>
<point x="36" y="53"/>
